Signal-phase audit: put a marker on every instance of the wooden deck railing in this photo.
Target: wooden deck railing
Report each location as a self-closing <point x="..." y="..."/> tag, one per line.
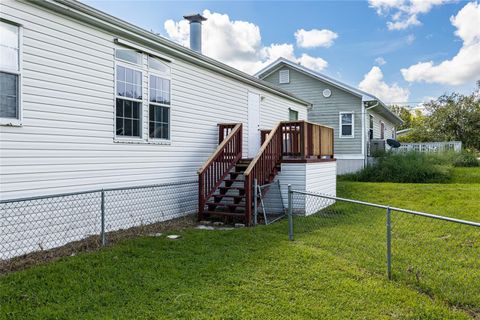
<point x="306" y="140"/>
<point x="224" y="130"/>
<point x="216" y="168"/>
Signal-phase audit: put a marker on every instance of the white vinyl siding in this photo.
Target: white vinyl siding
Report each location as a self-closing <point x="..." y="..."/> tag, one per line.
<point x="67" y="142"/>
<point x="317" y="177"/>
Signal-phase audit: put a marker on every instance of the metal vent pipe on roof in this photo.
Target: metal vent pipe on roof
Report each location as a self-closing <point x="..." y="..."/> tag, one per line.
<point x="195" y="31"/>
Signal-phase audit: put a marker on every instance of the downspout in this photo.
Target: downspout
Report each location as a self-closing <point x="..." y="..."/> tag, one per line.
<point x="365" y="132"/>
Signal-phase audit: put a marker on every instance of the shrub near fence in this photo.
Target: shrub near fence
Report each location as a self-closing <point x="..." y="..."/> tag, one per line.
<point x="438" y="255"/>
<point x="41" y="223"/>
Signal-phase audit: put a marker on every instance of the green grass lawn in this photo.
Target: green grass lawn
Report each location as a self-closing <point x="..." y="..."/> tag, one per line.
<point x="466" y="175"/>
<point x="333" y="271"/>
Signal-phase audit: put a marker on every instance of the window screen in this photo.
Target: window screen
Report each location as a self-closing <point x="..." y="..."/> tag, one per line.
<point x="346" y="124"/>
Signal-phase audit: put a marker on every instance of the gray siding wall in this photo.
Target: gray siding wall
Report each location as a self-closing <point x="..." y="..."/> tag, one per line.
<point x="326" y="110"/>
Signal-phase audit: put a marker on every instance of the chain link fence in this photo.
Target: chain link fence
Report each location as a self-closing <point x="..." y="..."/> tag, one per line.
<point x="437" y="255"/>
<point x="41" y="223"/>
<point x="269" y="206"/>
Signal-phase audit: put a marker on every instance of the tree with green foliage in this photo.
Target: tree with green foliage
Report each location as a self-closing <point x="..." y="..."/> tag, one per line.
<point x="450" y="117"/>
<point x="405" y="114"/>
<point x="456" y="117"/>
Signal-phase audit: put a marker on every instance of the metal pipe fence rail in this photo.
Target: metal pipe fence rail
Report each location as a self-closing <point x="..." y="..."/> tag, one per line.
<point x="44" y="222"/>
<point x="436" y="254"/>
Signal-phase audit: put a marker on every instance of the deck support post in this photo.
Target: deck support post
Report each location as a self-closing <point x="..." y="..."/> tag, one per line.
<point x="255" y="204"/>
<point x="201" y="199"/>
<point x="248" y="199"/>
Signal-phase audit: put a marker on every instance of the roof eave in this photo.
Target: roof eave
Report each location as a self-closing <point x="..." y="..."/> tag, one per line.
<point x="83" y="12"/>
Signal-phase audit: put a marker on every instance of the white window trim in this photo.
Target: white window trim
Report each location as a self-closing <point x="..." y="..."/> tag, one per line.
<point x="384" y="129"/>
<point x="136" y="67"/>
<point x="19" y="121"/>
<point x="169" y="106"/>
<point x="134" y="46"/>
<point x="340" y="125"/>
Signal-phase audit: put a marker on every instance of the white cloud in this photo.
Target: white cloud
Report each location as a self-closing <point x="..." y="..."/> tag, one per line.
<point x="373" y="83"/>
<point x="380" y="61"/>
<point x="404" y="13"/>
<point x="275" y="51"/>
<point x="315" y="38"/>
<point x="237" y="43"/>
<point x="465" y="65"/>
<point x="316" y="64"/>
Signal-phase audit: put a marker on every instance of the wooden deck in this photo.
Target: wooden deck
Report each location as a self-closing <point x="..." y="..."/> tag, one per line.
<point x="226" y="180"/>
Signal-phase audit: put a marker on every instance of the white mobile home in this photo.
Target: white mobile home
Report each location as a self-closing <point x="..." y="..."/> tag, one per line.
<point x="89" y="101"/>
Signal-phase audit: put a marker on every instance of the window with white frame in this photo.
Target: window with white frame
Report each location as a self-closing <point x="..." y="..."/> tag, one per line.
<point x="131" y="68"/>
<point x="346" y="124"/>
<point x="10" y="74"/>
<point x="128" y="115"/>
<point x="159" y="99"/>
<point x="382" y="130"/>
<point x="370" y="127"/>
<point x="292" y="115"/>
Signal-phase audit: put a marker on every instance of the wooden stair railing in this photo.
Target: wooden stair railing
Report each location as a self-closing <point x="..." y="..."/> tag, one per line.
<point x="216" y="168"/>
<point x="263" y="167"/>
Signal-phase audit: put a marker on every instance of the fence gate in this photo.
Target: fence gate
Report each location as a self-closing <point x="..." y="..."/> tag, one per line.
<point x="269" y="203"/>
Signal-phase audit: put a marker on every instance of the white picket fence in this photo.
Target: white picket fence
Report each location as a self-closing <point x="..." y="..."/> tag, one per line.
<point x="430" y="146"/>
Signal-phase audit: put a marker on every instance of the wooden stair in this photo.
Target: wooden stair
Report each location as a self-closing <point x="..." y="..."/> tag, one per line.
<point x="229" y="198"/>
<point x="228" y="201"/>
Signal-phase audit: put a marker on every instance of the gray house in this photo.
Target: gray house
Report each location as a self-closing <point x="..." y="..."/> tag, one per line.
<point x="361" y="122"/>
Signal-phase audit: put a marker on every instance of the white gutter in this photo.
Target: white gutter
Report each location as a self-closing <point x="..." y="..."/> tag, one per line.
<point x="371" y="107"/>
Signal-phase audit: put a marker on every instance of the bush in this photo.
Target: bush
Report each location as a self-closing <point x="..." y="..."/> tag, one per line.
<point x="465" y="159"/>
<point x="412" y="167"/>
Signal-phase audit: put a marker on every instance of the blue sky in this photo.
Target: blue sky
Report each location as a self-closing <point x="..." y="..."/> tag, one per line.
<point x="362" y="37"/>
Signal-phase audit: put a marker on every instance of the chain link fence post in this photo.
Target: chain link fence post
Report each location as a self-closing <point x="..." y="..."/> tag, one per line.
<point x="290" y="213"/>
<point x="255" y="204"/>
<point x="102" y="232"/>
<point x="389" y="244"/>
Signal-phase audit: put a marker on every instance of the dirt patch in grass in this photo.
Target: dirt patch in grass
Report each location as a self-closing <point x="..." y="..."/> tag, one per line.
<point x="92" y="243"/>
